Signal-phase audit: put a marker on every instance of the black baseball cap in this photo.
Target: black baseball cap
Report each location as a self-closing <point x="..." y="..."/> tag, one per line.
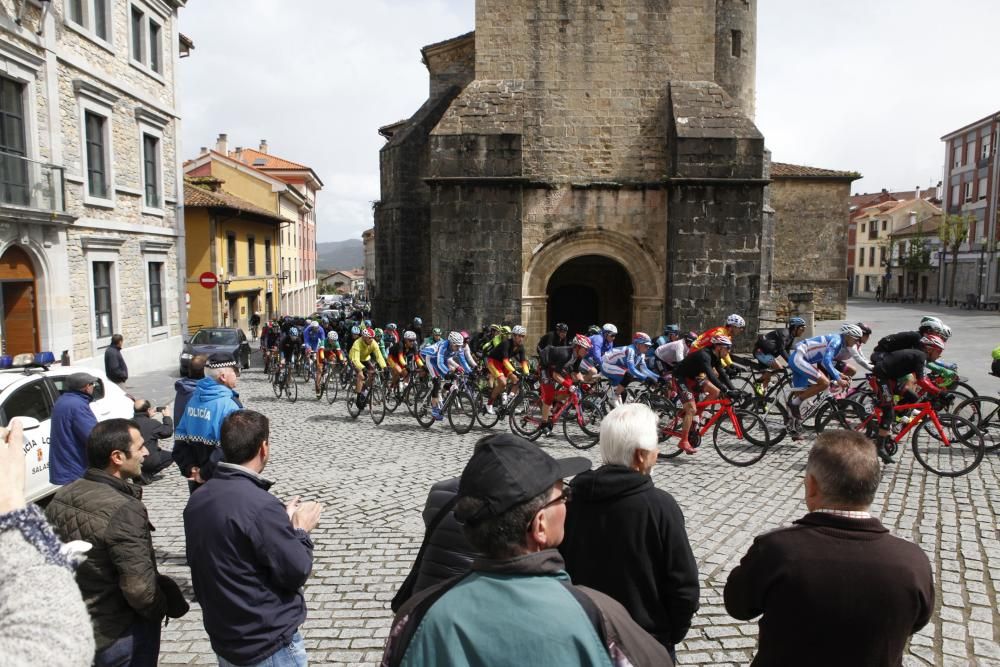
<point x="506" y="470"/>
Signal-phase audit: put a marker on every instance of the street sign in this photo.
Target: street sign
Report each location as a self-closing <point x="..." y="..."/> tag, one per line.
<point x="208" y="280"/>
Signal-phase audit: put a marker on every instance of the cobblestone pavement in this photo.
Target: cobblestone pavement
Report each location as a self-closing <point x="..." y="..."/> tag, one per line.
<point x="374" y="480"/>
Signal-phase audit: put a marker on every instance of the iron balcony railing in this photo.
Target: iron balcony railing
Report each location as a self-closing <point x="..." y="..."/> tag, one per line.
<point x="32" y="184"/>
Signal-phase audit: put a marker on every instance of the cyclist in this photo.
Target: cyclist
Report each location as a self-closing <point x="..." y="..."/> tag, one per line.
<point x="270" y="336"/>
<point x="391" y="331"/>
<point x="734" y="326"/>
<point x="700" y="372"/>
<point x="897" y="372"/>
<point x="254" y="324"/>
<point x="502" y="333"/>
<point x="362" y="351"/>
<point x="401" y="355"/>
<point x="905" y="340"/>
<point x="289" y="346"/>
<point x="813" y="363"/>
<point x="382" y="343"/>
<point x="498" y="361"/>
<point x="854" y="354"/>
<point x="772" y="349"/>
<point x="559" y="365"/>
<point x="434" y="338"/>
<point x="417" y="327"/>
<point x="623" y="364"/>
<point x="601" y="343"/>
<point x="593" y="329"/>
<point x="442" y="359"/>
<point x="312" y="337"/>
<point x="555" y="337"/>
<point x="470" y="358"/>
<point x="667" y="355"/>
<point x="331" y="351"/>
<point x="353" y="334"/>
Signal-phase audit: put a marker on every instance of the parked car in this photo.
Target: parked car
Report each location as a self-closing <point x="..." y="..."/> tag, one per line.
<point x="29" y="390"/>
<point x="216" y="339"/>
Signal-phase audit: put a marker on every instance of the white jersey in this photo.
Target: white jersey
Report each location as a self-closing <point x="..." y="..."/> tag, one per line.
<point x="672" y="353"/>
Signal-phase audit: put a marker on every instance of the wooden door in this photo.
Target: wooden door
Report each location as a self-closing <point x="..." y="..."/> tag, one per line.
<point x="19" y="322"/>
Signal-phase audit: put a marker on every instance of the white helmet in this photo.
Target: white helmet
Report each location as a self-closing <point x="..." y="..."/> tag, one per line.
<point x="518" y="330"/>
<point x="852" y="330"/>
<point x="735" y="320"/>
<point x="945" y="331"/>
<point x="332" y="335"/>
<point x="455" y="338"/>
<point x="409" y="335"/>
<point x="610" y="329"/>
<point x="936" y="325"/>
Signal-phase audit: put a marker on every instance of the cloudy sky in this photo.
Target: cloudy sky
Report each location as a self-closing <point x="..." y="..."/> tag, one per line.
<point x="867" y="85"/>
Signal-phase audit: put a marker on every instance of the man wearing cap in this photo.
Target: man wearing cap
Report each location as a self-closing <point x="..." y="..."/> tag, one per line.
<point x="72" y="421"/>
<point x="517" y="605"/>
<point x="197" y="448"/>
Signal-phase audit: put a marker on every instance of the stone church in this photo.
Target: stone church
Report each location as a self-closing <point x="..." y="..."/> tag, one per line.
<point x="588" y="161"/>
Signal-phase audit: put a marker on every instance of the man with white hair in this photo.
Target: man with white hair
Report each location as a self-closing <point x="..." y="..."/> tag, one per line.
<point x="626" y="538"/>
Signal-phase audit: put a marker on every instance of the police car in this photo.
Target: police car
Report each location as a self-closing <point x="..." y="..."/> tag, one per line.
<point x="29" y="387"/>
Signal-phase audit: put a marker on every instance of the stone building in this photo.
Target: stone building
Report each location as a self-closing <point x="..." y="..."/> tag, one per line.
<point x="89" y="225"/>
<point x="876" y="268"/>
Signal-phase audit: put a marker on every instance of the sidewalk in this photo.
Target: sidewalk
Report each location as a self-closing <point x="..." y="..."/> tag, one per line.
<point x="158" y="386"/>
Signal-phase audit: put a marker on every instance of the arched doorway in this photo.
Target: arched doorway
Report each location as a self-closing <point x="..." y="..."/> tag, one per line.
<point x="19" y="301"/>
<point x="590" y="289"/>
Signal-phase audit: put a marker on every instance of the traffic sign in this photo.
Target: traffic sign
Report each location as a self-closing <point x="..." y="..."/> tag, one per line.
<point x="208" y="280"/>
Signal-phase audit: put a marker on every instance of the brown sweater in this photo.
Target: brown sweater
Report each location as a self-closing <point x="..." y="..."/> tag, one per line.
<point x="832" y="591"/>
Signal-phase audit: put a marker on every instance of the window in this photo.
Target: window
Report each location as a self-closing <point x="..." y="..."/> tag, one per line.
<point x="95" y="127"/>
<point x="267" y="256"/>
<point x="968" y="191"/>
<point x="986" y="147"/>
<point x="873" y="230"/>
<point x="91" y="15"/>
<point x="155" y="59"/>
<point x="982" y="189"/>
<point x="104" y="325"/>
<point x="970" y="150"/>
<point x="151" y="169"/>
<point x="75" y="10"/>
<point x="956" y="156"/>
<point x="862" y="228"/>
<point x="101" y="19"/>
<point x="251" y="257"/>
<point x="871" y="256"/>
<point x="156" y="294"/>
<point x="147" y="41"/>
<point x="138" y="38"/>
<point x="954" y="195"/>
<point x="861" y="257"/>
<point x="59" y="382"/>
<point x="737" y="43"/>
<point x="231" y="253"/>
<point x="885" y="225"/>
<point x="31" y="400"/>
<point x="13" y="169"/>
<point x="881" y="256"/>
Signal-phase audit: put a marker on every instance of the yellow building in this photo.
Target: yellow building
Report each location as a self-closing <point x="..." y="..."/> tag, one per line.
<point x="237" y="241"/>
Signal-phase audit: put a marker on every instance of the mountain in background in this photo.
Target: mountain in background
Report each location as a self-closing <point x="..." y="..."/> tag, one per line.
<point x="349" y="254"/>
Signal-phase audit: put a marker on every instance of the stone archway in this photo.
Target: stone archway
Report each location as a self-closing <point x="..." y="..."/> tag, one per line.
<point x="590" y="289"/>
<point x="647" y="279"/>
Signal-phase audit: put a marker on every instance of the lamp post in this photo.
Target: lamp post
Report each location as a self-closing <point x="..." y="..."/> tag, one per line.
<point x="982" y="271"/>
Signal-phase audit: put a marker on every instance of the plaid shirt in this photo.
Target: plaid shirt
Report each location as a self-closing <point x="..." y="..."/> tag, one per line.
<point x="849" y="514"/>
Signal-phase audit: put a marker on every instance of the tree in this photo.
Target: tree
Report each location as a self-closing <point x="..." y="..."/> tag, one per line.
<point x="953" y="231"/>
<point x="915" y="258"/>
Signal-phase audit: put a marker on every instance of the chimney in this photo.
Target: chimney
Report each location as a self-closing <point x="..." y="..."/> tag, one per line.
<point x="239" y="153"/>
<point x="913" y="218"/>
<point x="263" y="146"/>
<point x="917" y="196"/>
<point x="222" y="144"/>
<point x="203" y="150"/>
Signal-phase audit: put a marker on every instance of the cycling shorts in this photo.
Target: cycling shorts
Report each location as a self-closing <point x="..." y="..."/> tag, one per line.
<point x="689" y="388"/>
<point x="764" y="358"/>
<point x="497" y="368"/>
<point x="803" y="373"/>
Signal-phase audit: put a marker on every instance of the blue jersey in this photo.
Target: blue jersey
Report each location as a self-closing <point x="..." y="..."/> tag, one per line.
<point x="438" y="354"/>
<point x="629" y="360"/>
<point x="598" y="348"/>
<point x="821" y="351"/>
<point x="313" y="337"/>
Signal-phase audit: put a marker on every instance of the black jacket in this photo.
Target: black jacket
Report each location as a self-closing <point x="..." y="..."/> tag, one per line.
<point x="248" y="565"/>
<point x="626" y="538"/>
<point x="448" y="553"/>
<point x="114" y="364"/>
<point x="551" y="338"/>
<point x="152" y="432"/>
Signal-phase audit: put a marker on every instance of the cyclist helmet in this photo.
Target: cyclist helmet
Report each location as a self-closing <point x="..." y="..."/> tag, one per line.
<point x="582" y="341"/>
<point x="391" y="327"/>
<point x="865" y="329"/>
<point x="356" y="330"/>
<point x="465" y="335"/>
<point x="332" y="336"/>
<point x="933" y="340"/>
<point x="735" y="320"/>
<point x="609" y="329"/>
<point x="562" y="327"/>
<point x="505" y="330"/>
<point x="455" y="338"/>
<point x="852" y="330"/>
<point x="293" y="332"/>
<point x="671" y="329"/>
<point x="417" y="322"/>
<point x="518" y="330"/>
<point x="367" y="333"/>
<point x="378" y="333"/>
<point x="929" y="319"/>
<point x="409" y="335"/>
<point x="796" y="322"/>
<point x="690" y="337"/>
<point x="641" y="338"/>
<point x="368" y="324"/>
<point x="945" y="331"/>
<point x="436" y="331"/>
<point x="494" y="327"/>
<point x="593" y="329"/>
<point x="934" y="325"/>
<point x="722" y="340"/>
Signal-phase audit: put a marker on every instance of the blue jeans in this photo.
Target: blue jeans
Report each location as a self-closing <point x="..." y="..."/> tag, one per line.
<point x="139" y="646"/>
<point x="292" y="654"/>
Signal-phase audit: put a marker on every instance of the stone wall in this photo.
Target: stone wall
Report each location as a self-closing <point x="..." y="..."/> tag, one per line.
<point x="451" y="63"/>
<point x="736" y="51"/>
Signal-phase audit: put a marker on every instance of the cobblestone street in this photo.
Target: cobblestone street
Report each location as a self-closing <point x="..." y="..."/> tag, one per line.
<point x="373" y="482"/>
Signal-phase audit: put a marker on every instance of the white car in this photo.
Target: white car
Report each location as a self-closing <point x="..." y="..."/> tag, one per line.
<point x="31" y="391"/>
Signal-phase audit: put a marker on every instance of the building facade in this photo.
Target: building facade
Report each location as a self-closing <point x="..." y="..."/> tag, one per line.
<point x="368" y="240"/>
<point x="89" y="217"/>
<point x="875" y="274"/>
<point x="972" y="169"/>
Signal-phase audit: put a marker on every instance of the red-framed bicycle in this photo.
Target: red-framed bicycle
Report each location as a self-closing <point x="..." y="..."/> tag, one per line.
<point x="739" y="436"/>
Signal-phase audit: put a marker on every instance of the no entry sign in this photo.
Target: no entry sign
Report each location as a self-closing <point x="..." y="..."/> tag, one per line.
<point x="208" y="280"/>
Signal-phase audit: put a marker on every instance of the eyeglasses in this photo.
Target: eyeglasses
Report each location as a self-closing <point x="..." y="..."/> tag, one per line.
<point x="564" y="497"/>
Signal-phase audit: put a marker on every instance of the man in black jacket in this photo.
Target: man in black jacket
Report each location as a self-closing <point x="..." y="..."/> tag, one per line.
<point x="114" y="363"/>
<point x="152" y="432"/>
<point x="625" y="537"/>
<point x="249" y="554"/>
<point x="448" y="552"/>
<point x="555" y="337"/>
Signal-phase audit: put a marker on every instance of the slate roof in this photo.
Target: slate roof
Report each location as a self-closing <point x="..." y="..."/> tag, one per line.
<point x="785" y="170"/>
<point x="195" y="197"/>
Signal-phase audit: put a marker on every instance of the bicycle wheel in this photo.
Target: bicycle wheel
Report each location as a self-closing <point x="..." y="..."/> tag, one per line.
<point x="422" y="405"/>
<point x="745" y="386"/>
<point x="351" y="396"/>
<point x="746" y="450"/>
<point x="291" y="389"/>
<point x="582" y="427"/>
<point x="376" y="402"/>
<point x="410" y="394"/>
<point x="485" y="419"/>
<point x="332" y="387"/>
<point x="842" y="413"/>
<point x="462" y="411"/>
<point x="961" y="454"/>
<point x="276" y="384"/>
<point x="984" y="412"/>
<point x="526" y="415"/>
<point x="393" y="397"/>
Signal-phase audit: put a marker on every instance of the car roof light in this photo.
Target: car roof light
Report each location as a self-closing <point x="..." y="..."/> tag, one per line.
<point x="24" y="359"/>
<point x="6" y="361"/>
<point x="45" y="359"/>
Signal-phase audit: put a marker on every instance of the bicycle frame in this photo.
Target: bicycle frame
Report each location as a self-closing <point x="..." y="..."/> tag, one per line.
<point x="727" y="409"/>
<point x="925" y="410"/>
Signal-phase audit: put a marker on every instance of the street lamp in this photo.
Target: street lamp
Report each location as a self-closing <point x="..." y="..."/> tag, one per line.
<point x="983" y="242"/>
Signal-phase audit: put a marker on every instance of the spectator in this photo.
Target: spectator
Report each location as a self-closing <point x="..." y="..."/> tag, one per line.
<point x="114" y="363"/>
<point x="835" y="588"/>
<point x="43" y="620"/>
<point x="184" y="387"/>
<point x="196" y="437"/>
<point x="249" y="555"/>
<point x="126" y="596"/>
<point x="516" y="606"/>
<point x="995" y="366"/>
<point x="72" y="421"/>
<point x="152" y="432"/>
<point x="625" y="537"/>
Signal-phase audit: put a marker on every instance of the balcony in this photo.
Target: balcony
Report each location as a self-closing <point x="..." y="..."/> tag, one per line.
<point x="32" y="191"/>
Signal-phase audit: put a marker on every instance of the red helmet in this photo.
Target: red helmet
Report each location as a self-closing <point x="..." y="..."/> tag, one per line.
<point x="367" y="332"/>
<point x="582" y="341"/>
<point x="722" y="340"/>
<point x="933" y="340"/>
